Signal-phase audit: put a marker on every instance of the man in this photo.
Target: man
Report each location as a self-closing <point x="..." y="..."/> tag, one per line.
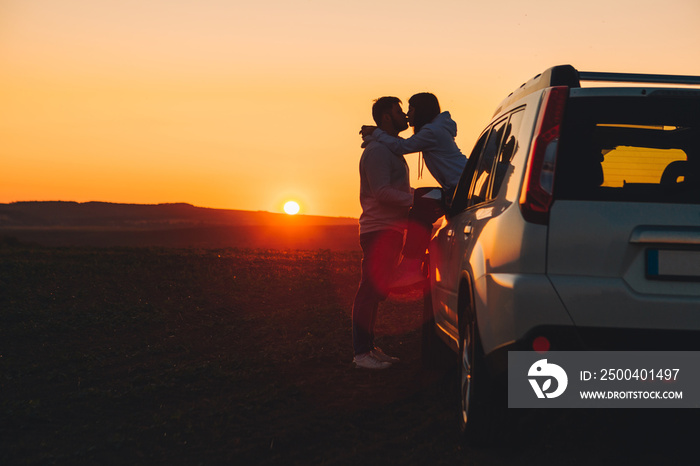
<point x="385" y="197"/>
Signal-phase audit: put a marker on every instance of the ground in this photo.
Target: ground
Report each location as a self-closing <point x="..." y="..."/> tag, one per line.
<point x="240" y="356"/>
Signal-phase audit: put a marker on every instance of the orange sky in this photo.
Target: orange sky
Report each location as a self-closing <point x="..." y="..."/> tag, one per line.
<point x="245" y="107"/>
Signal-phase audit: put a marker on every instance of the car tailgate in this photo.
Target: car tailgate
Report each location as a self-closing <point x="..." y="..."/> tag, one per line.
<point x="628" y="265"/>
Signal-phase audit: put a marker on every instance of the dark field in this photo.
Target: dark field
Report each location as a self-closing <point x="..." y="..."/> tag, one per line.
<point x="181" y="356"/>
<point x="281" y="237"/>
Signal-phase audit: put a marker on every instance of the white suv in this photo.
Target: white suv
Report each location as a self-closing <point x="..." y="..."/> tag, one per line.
<point x="575" y="226"/>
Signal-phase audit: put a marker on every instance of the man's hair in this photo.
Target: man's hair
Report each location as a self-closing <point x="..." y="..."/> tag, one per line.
<point x="382" y="106"/>
<point x="427" y="108"/>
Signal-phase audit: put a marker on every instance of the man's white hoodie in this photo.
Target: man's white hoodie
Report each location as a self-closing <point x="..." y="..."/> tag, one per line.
<point x="385" y="192"/>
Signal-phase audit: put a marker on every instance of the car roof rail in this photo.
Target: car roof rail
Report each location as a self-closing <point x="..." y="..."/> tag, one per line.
<point x="638" y="78"/>
<point x="567" y="75"/>
<point x="562" y="75"/>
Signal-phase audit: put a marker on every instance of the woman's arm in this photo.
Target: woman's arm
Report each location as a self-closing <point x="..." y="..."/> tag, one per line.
<point x="422" y="140"/>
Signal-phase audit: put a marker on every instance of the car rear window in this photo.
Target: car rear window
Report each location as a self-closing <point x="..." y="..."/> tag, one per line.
<point x="639" y="149"/>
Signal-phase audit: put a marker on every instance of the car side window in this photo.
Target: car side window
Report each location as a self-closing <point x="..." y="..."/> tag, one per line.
<point x="461" y="196"/>
<point x="482" y="177"/>
<point x="510" y="147"/>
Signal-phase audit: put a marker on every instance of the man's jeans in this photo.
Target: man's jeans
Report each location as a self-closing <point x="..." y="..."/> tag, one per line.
<point x="380" y="255"/>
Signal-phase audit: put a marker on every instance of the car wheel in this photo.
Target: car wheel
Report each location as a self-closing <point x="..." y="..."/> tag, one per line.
<point x="476" y="406"/>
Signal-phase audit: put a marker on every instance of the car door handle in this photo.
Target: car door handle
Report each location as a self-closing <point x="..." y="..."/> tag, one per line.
<point x="450" y="233"/>
<point x="467" y="230"/>
<point x="651" y="235"/>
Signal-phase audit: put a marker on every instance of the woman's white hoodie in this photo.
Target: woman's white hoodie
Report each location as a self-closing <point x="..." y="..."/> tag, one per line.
<point x="437" y="142"/>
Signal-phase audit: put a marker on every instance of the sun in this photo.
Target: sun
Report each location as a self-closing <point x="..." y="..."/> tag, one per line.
<point x="291" y="207"/>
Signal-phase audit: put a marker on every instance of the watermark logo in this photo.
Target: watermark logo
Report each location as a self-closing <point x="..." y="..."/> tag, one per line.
<point x="542" y="373"/>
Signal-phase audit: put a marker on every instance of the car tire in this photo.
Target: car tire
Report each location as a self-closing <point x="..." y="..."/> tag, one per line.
<point x="477" y="417"/>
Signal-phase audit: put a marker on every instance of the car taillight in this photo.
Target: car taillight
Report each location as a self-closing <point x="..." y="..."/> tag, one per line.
<point x="537" y="194"/>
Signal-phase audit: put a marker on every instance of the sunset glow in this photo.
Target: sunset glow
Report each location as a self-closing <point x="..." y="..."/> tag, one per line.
<point x="237" y="104"/>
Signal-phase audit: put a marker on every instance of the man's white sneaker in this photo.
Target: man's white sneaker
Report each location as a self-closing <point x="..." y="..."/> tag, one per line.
<point x="369" y="361"/>
<point x="382" y="356"/>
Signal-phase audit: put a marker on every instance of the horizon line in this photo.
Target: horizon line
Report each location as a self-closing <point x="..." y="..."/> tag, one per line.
<point x="174" y="204"/>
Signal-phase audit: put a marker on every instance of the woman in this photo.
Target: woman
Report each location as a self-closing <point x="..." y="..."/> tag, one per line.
<point x="434" y="136"/>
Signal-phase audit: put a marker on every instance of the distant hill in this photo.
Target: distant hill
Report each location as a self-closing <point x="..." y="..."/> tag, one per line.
<point x="59" y="223"/>
<point x="101" y="214"/>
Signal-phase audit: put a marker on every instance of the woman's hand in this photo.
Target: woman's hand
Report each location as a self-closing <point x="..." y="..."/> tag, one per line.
<point x="367" y="130"/>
